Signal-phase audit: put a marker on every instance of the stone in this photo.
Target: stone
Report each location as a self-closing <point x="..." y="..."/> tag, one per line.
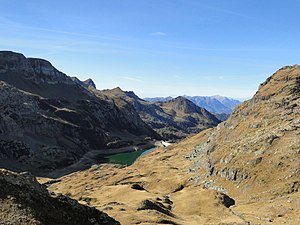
<point x="151" y="205"/>
<point x="137" y="187"/>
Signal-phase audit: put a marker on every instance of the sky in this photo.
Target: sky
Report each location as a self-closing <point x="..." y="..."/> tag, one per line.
<point x="158" y="47"/>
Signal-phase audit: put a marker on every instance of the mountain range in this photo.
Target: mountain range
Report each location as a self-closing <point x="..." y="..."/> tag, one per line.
<point x="50" y="122"/>
<point x="215" y="104"/>
<point x="244" y="170"/>
<point x="174" y="119"/>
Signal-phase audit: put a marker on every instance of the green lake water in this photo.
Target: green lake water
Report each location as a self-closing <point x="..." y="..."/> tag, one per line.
<point x="127" y="158"/>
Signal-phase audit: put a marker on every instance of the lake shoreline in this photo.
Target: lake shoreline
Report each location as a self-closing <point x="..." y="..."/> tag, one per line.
<point x="99" y="156"/>
<point x="128" y="158"/>
<point x="132" y="148"/>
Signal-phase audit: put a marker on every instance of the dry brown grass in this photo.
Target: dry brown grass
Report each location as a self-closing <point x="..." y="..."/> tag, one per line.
<point x="259" y="145"/>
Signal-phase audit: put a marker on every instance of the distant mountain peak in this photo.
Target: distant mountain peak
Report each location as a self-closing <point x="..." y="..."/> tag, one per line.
<point x="37" y="62"/>
<point x="158" y="99"/>
<point x="38" y="70"/>
<point x="183" y="104"/>
<point x="220" y="98"/>
<point x="17" y="61"/>
<point x="179" y="98"/>
<point x="131" y="94"/>
<point x="90" y="83"/>
<point x="12" y="61"/>
<point x="117" y="91"/>
<point x="215" y="104"/>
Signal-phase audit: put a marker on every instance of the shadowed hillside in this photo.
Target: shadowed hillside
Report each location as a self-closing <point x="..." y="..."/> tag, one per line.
<point x="24" y="201"/>
<point x="48" y="121"/>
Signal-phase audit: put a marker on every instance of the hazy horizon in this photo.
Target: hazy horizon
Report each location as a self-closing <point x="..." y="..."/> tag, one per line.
<point x="158" y="48"/>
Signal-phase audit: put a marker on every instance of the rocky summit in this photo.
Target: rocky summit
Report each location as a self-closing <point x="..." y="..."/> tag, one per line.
<point x="49" y="121"/>
<point x="173" y="120"/>
<point x="244" y="171"/>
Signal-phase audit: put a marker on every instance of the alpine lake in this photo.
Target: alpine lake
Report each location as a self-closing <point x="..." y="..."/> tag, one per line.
<point x="127" y="158"/>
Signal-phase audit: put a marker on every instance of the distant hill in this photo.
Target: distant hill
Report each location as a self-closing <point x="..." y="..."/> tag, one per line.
<point x="173" y="119"/>
<point x="216" y="104"/>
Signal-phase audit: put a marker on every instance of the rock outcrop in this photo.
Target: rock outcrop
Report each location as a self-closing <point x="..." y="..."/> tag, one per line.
<point x="259" y="137"/>
<point x="24" y="201"/>
<point x="88" y="84"/>
<point x="48" y="121"/>
<point x="254" y="154"/>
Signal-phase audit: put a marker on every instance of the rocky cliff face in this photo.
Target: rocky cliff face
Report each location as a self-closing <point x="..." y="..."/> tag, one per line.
<point x="88" y="84"/>
<point x="250" y="163"/>
<point x="39" y="77"/>
<point x="48" y="121"/>
<point x="174" y="119"/>
<point x="24" y="201"/>
<point x="261" y="134"/>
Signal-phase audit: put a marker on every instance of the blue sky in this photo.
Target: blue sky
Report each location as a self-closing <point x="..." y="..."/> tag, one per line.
<point x="158" y="47"/>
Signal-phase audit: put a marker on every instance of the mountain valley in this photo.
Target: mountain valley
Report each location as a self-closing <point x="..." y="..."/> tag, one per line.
<point x="49" y="121"/>
<point x="53" y="124"/>
<point x="244" y="171"/>
<point x="173" y="112"/>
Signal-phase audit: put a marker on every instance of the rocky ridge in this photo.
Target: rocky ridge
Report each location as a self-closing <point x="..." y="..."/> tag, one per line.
<point x="48" y="121"/>
<point x="174" y="119"/>
<point x="88" y="84"/>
